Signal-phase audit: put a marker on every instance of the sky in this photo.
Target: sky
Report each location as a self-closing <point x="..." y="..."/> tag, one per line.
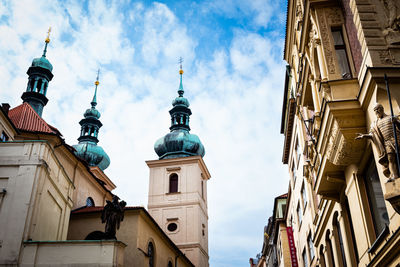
<point x="234" y="78"/>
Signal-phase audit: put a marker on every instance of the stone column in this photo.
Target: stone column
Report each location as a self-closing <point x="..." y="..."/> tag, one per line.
<point x="321" y="61"/>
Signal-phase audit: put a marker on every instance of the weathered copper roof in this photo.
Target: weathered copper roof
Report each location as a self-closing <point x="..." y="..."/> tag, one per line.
<point x="25" y="118"/>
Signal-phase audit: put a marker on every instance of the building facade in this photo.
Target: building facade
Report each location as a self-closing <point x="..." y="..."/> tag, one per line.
<point x="338" y="132"/>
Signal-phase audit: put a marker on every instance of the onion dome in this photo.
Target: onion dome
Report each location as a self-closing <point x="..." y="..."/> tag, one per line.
<point x="179" y="142"/>
<point x="40" y="74"/>
<point x="87" y="149"/>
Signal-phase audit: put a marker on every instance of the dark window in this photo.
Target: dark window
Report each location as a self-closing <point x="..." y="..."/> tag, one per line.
<point x="299" y="213"/>
<point x="375" y="198"/>
<point x="169" y="263"/>
<point x="305" y="259"/>
<point x="310" y="246"/>
<point x="150" y="253"/>
<point x="172" y="227"/>
<point x="304" y="195"/>
<point x="339" y="239"/>
<point x="3" y="137"/>
<point x="329" y="249"/>
<point x="353" y="236"/>
<point x="202" y="189"/>
<point x="39" y="86"/>
<point x="341" y="53"/>
<point x="322" y="256"/>
<point x="90" y="202"/>
<point x="173" y="183"/>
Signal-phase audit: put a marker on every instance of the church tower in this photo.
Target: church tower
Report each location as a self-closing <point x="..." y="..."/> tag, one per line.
<point x="178" y="184"/>
<point x="87" y="147"/>
<point x="40" y="74"/>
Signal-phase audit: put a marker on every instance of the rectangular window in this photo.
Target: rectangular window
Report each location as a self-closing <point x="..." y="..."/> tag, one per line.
<point x="375" y="198"/>
<point x="3" y="137"/>
<point x="294" y="172"/>
<point x="341" y="54"/>
<point x="304" y="196"/>
<point x="305" y="260"/>
<point x="298" y="152"/>
<point x="299" y="213"/>
<point x="310" y="246"/>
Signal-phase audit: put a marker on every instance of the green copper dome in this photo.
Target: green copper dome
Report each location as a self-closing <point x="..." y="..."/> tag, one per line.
<point x="93" y="154"/>
<point x="42" y="62"/>
<point x="87" y="149"/>
<point x="179" y="142"/>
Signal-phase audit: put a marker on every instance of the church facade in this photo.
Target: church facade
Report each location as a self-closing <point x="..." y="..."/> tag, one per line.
<point x="52" y="194"/>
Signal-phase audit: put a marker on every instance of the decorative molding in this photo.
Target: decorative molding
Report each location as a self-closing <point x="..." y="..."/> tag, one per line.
<point x="326" y="43"/>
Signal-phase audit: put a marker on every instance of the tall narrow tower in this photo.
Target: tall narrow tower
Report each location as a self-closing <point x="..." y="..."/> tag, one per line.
<point x="178" y="185"/>
<point x="39" y="76"/>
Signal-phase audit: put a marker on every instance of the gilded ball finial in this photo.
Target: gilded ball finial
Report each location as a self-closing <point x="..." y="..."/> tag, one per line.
<point x="48" y="36"/>
<point x="181" y="71"/>
<point x="96" y="83"/>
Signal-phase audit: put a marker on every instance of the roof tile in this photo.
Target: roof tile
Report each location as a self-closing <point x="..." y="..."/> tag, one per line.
<point x="25" y="118"/>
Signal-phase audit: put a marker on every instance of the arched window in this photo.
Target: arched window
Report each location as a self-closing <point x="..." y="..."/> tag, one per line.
<point x="89" y="202"/>
<point x="173" y="183"/>
<point x="339" y="239"/>
<point x="321" y="256"/>
<point x="151" y="254"/>
<point x="169" y="264"/>
<point x="39" y="86"/>
<point x="329" y="249"/>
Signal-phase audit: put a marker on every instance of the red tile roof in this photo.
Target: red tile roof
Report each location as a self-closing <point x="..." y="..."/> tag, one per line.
<point x="25" y="118"/>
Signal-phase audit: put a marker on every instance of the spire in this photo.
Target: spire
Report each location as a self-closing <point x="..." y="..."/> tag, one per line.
<point x="87" y="148"/>
<point x="181" y="91"/>
<point x="47" y="41"/>
<point x="179" y="142"/>
<point x="96" y="83"/>
<point x="40" y="74"/>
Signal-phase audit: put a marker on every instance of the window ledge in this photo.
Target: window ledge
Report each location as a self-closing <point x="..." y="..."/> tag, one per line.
<point x="172" y="193"/>
<point x="379" y="239"/>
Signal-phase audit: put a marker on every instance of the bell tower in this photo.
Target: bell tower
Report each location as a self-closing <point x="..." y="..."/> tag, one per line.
<point x="178" y="184"/>
<point x="40" y="74"/>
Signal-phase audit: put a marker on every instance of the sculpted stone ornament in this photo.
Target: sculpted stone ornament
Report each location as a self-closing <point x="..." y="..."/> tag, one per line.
<point x="382" y="136"/>
<point x="392" y="25"/>
<point x="112" y="215"/>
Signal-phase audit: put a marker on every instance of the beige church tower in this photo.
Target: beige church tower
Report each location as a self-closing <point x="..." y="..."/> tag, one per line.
<point x="178" y="185"/>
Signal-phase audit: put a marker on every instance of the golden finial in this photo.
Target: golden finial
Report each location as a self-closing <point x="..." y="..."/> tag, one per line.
<point x="180" y="62"/>
<point x="48" y="36"/>
<point x="97" y="79"/>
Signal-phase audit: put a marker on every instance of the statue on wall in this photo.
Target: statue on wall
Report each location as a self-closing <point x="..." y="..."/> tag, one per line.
<point x="112" y="216"/>
<point x="382" y="136"/>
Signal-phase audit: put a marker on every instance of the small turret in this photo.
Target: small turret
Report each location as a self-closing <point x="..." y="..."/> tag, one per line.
<point x="40" y="74"/>
<point x="179" y="142"/>
<point x="87" y="147"/>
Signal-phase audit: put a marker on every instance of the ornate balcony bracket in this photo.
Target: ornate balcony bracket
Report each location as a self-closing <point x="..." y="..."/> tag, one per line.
<point x="337" y="147"/>
<point x="343" y="121"/>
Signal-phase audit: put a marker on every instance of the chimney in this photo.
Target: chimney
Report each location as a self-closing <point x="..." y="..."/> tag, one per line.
<point x="5" y="107"/>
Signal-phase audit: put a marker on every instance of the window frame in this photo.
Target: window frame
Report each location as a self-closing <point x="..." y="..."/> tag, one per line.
<point x="173" y="183"/>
